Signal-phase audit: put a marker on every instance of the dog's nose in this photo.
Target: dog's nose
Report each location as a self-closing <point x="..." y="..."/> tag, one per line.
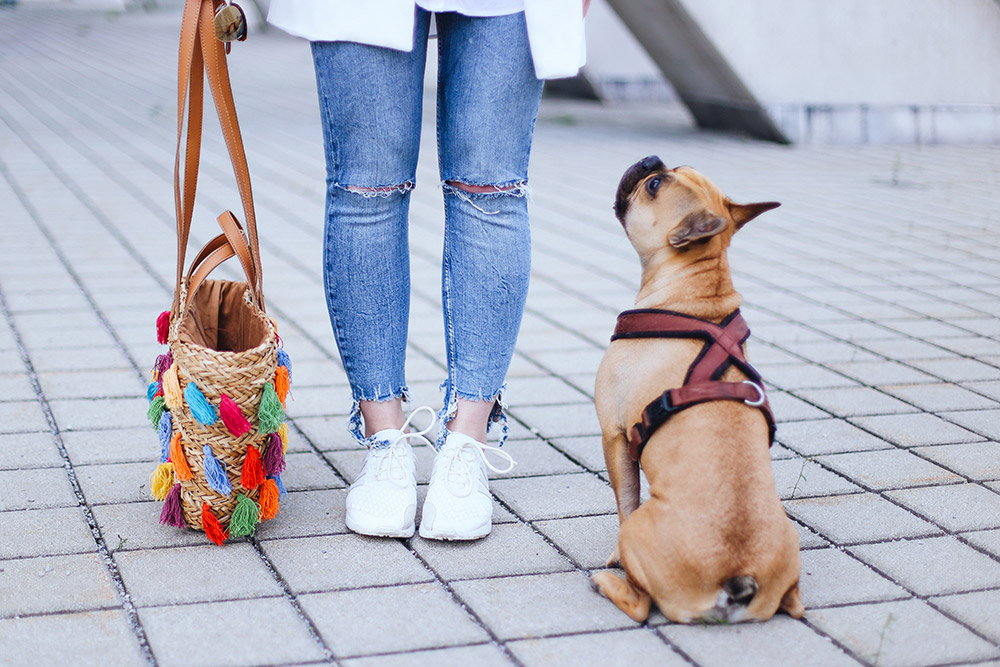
<point x="651" y="163"/>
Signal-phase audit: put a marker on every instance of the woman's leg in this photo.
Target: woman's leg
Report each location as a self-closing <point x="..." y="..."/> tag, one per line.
<point x="487" y="104"/>
<point x="370" y="104"/>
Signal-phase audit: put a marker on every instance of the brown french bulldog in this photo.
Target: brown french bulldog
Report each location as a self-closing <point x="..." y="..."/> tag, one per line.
<point x="712" y="543"/>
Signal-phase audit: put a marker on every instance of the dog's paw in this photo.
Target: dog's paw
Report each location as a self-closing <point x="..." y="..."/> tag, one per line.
<point x="614" y="560"/>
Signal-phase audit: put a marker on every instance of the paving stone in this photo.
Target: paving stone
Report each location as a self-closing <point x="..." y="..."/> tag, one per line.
<point x="985" y="539"/>
<point x="800" y="477"/>
<point x="637" y="648"/>
<point x="116" y="482"/>
<point x="979" y="461"/>
<point x="390" y="619"/>
<point x="548" y="604"/>
<point x="28" y="450"/>
<point x="826" y="436"/>
<point x="586" y="450"/>
<point x="481" y="655"/>
<point x="306" y="471"/>
<point x="828" y="352"/>
<point x="907" y="632"/>
<point x="560" y="421"/>
<point x="195" y="574"/>
<point x="960" y="507"/>
<point x="555" y="496"/>
<point x="979" y="610"/>
<point x="509" y="549"/>
<point x="779" y="641"/>
<point x="87" y="638"/>
<point x="588" y="540"/>
<point x="533" y="457"/>
<point x="831" y="577"/>
<point x="27" y="533"/>
<point x="789" y="408"/>
<point x="989" y="388"/>
<point x="861" y="517"/>
<point x="855" y="401"/>
<point x="932" y="565"/>
<point x="791" y="377"/>
<point x="124" y="445"/>
<point x="332" y="562"/>
<point x="35" y="489"/>
<point x="941" y="397"/>
<point x="91" y="384"/>
<point x="22" y="417"/>
<point x="81" y="359"/>
<point x="84" y="414"/>
<point x="888" y="469"/>
<point x="546" y="390"/>
<point x="958" y="370"/>
<point x="16" y="387"/>
<point x="236" y="632"/>
<point x="307" y="513"/>
<point x="983" y="422"/>
<point x="809" y="539"/>
<point x="55" y="583"/>
<point x="915" y="430"/>
<point x="881" y="373"/>
<point x="131" y="526"/>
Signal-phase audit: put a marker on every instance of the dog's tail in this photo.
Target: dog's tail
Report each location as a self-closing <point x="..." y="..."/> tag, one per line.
<point x="732" y="601"/>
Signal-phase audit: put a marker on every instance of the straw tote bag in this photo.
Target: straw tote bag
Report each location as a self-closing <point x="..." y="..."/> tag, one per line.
<point x="217" y="396"/>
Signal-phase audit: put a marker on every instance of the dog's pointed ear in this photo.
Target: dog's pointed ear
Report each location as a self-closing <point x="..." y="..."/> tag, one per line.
<point x="695" y="227"/>
<point x="744" y="213"/>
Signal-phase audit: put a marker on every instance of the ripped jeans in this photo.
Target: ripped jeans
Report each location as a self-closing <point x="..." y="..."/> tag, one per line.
<point x="370" y="103"/>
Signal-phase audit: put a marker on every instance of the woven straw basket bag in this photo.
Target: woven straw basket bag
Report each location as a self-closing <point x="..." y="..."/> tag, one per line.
<point x="217" y="396"/>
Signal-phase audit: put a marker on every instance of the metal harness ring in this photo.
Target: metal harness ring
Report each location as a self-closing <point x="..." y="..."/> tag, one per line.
<point x="759" y="401"/>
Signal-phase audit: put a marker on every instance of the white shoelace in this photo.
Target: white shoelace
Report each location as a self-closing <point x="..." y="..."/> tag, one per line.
<point x="390" y="461"/>
<point x="458" y="478"/>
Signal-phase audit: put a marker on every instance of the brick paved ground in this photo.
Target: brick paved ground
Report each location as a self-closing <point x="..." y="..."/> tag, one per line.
<point x="872" y="296"/>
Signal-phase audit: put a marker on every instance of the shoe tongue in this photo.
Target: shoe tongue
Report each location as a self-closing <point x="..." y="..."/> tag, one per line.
<point x="385" y="437"/>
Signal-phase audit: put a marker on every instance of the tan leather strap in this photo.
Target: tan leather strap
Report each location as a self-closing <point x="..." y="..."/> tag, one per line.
<point x="201" y="53"/>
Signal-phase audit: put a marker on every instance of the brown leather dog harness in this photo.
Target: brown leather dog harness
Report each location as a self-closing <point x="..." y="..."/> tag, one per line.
<point x="723" y="348"/>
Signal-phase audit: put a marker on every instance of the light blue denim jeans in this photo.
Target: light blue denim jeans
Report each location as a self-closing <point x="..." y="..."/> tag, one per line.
<point x="370" y="103"/>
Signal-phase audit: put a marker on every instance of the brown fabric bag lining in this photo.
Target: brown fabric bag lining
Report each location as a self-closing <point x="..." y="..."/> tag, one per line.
<point x="220" y="319"/>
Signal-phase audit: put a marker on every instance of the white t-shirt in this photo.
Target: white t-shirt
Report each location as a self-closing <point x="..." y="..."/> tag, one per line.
<point x="555" y="27"/>
<point x="474" y="7"/>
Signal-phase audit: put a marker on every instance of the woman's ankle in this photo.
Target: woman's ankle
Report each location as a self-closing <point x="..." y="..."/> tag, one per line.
<point x="381" y="415"/>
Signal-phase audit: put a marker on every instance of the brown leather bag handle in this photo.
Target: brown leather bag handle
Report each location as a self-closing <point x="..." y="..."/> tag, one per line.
<point x="201" y="53"/>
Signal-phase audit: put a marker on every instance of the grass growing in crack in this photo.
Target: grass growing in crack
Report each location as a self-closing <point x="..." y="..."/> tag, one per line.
<point x="881" y="639"/>
<point x="121" y="543"/>
<point x="802" y="475"/>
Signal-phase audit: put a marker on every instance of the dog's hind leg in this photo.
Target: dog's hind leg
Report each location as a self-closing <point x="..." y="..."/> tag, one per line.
<point x="630" y="599"/>
<point x="624" y="475"/>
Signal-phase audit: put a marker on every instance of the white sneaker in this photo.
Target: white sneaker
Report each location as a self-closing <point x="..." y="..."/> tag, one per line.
<point x="458" y="504"/>
<point x="382" y="501"/>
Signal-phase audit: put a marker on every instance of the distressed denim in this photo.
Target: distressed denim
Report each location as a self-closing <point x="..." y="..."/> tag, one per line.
<point x="370" y="104"/>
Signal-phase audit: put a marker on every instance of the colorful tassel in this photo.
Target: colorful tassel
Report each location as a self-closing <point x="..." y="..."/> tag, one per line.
<point x="161" y="480"/>
<point x="274" y="456"/>
<point x="281" y="383"/>
<point x="233" y="417"/>
<point x="213" y="529"/>
<point x="252" y="473"/>
<point x="172" y="514"/>
<point x="246" y="514"/>
<point x="215" y="473"/>
<point x="163" y="362"/>
<point x="201" y="409"/>
<point x="281" y="487"/>
<point x="152" y="390"/>
<point x="269" y="413"/>
<point x="283" y="432"/>
<point x="269" y="499"/>
<point x="155" y="411"/>
<point x="165" y="428"/>
<point x="284" y="360"/>
<point x="179" y="458"/>
<point x="172" y="389"/>
<point x="162" y="327"/>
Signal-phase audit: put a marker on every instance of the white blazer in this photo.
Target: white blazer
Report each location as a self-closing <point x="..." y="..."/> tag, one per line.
<point x="555" y="27"/>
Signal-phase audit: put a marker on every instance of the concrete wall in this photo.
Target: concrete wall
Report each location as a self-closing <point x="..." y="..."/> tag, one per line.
<point x="859" y="71"/>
